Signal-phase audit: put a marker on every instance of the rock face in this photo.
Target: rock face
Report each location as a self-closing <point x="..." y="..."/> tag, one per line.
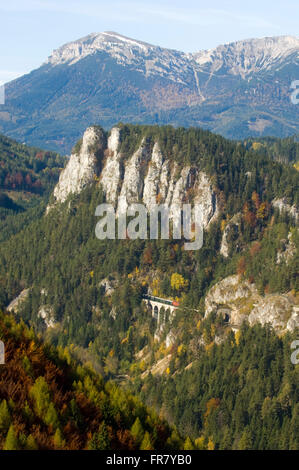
<point x="238" y="300"/>
<point x="159" y="367"/>
<point x="288" y="250"/>
<point x="17" y="302"/>
<point x="231" y="298"/>
<point x="146" y="58"/>
<point x="170" y="339"/>
<point x="82" y="166"/>
<point x="46" y="312"/>
<point x="146" y="176"/>
<point x="250" y="56"/>
<point x="283" y="206"/>
<point x="237" y="58"/>
<point x="132" y="185"/>
<point x="150" y="178"/>
<point x="276" y="310"/>
<point x="108" y="286"/>
<point x="231" y="229"/>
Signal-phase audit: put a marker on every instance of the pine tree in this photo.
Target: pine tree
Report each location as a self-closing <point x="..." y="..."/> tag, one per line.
<point x="146" y="443"/>
<point x="211" y="445"/>
<point x="188" y="444"/>
<point x="11" y="441"/>
<point x="200" y="443"/>
<point x="58" y="439"/>
<point x="137" y="431"/>
<point x="51" y="418"/>
<point x="100" y="440"/>
<point x="40" y="393"/>
<point x="31" y="443"/>
<point x="245" y="442"/>
<point x="5" y="418"/>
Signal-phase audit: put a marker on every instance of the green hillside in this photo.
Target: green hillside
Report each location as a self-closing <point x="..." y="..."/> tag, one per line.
<point x="49" y="401"/>
<point x="230" y="388"/>
<point x="27" y="176"/>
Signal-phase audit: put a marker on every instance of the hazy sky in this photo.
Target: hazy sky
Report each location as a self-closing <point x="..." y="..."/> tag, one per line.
<point x="31" y="29"/>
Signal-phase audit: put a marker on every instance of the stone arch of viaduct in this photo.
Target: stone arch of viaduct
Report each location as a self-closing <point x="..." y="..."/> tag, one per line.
<point x="155" y="307"/>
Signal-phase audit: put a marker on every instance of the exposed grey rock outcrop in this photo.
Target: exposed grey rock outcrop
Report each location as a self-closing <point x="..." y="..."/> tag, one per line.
<point x="288" y="250"/>
<point x="238" y="58"/>
<point x="170" y="339"/>
<point x="146" y="176"/>
<point x="46" y="312"/>
<point x="237" y="300"/>
<point x="111" y="173"/>
<point x="231" y="229"/>
<point x="82" y="167"/>
<point x="251" y="55"/>
<point x="150" y="178"/>
<point x="274" y="309"/>
<point x="293" y="322"/>
<point x="17" y="302"/>
<point x="283" y="206"/>
<point x="108" y="286"/>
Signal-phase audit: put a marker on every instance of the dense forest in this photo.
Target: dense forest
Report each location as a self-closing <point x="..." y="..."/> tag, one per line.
<point x="27" y="176"/>
<point x="230" y="397"/>
<point x="49" y="401"/>
<point x="242" y="394"/>
<point x="283" y="150"/>
<point x="27" y="168"/>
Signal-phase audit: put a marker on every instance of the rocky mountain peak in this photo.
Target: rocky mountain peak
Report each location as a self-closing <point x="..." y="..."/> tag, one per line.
<point x="248" y="56"/>
<point x="81" y="167"/>
<point x="240" y="57"/>
<point x="145" y="176"/>
<point x="108" y="41"/>
<point x="112" y="37"/>
<point x="143" y="57"/>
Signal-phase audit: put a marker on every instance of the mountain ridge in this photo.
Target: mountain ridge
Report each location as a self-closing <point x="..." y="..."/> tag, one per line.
<point x="238" y="90"/>
<point x="110" y="36"/>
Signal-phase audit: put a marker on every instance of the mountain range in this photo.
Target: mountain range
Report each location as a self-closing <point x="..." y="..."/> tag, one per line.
<point x="239" y="89"/>
<point x="139" y="343"/>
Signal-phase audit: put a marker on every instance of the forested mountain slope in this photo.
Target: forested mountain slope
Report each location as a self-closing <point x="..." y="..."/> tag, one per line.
<point x="49" y="401"/>
<point x="27" y="176"/>
<point x="240" y="394"/>
<point x="76" y="289"/>
<point x="283" y="150"/>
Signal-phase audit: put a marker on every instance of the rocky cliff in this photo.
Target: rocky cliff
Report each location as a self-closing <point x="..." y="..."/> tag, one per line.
<point x="283" y="206"/>
<point x="249" y="56"/>
<point x="145" y="176"/>
<point x="230" y="232"/>
<point x="237" y="300"/>
<point x="82" y="166"/>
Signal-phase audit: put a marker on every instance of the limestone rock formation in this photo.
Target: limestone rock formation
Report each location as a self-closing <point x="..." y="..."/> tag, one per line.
<point x="146" y="176"/>
<point x="287" y="251"/>
<point x="283" y="206"/>
<point x="237" y="300"/>
<point x="17" y="302"/>
<point x="82" y="166"/>
<point x="46" y="312"/>
<point x="231" y="229"/>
